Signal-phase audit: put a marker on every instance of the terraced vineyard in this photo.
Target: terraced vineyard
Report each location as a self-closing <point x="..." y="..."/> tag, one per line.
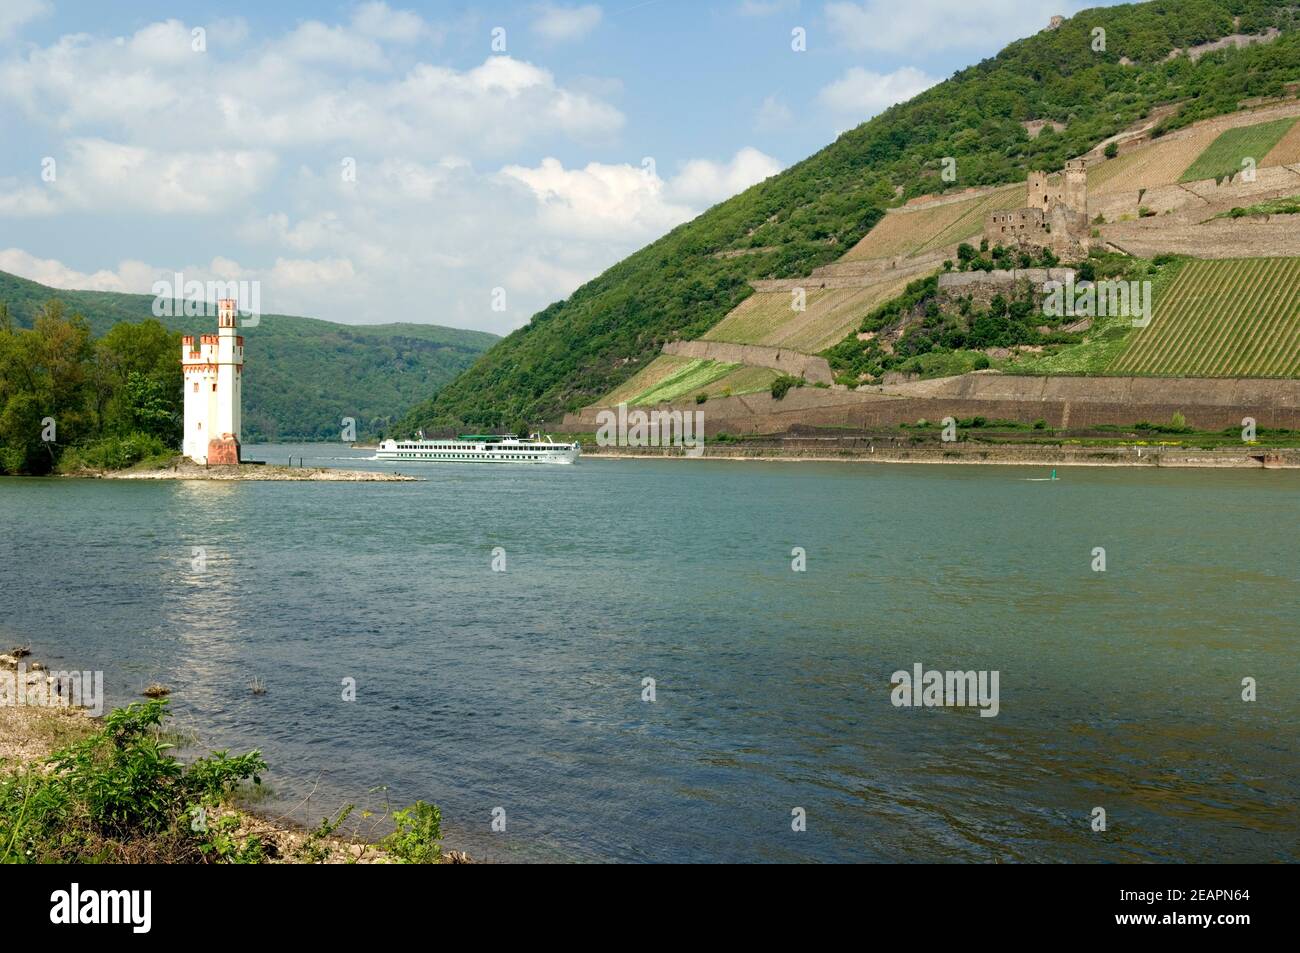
<point x="1162" y="162"/>
<point x="911" y="232"/>
<point x="1224" y="156"/>
<point x="766" y="317"/>
<point x="1287" y="150"/>
<point x="1227" y="318"/>
<point x="668" y="378"/>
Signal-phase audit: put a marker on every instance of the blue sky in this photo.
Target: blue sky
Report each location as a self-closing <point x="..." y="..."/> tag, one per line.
<point x="370" y="162"/>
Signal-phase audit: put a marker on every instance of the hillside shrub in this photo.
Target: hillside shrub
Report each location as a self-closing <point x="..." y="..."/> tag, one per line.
<point x="781" y="386"/>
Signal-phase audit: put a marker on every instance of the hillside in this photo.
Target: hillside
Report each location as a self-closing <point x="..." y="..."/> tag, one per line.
<point x="806" y="218"/>
<point x="304" y="374"/>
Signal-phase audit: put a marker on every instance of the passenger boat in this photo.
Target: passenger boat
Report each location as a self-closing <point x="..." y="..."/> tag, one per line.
<point x="480" y="448"/>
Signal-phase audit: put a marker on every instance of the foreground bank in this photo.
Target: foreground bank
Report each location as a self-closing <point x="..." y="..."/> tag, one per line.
<point x="80" y="789"/>
<point x="183" y="469"/>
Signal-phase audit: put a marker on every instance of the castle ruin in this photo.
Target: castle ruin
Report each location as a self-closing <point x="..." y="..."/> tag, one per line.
<point x="1054" y="217"/>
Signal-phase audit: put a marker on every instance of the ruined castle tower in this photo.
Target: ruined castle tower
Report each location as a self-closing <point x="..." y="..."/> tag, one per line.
<point x="213" y="374"/>
<point x="1074" y="191"/>
<point x="1039" y="195"/>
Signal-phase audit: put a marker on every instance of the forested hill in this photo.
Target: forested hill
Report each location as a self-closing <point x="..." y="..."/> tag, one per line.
<point x="304" y="375"/>
<point x="576" y="350"/>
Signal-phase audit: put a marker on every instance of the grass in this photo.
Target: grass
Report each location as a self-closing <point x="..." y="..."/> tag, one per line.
<point x="692" y="377"/>
<point x="1224" y="156"/>
<point x="1104" y="341"/>
<point x="113" y="793"/>
<point x="743" y="380"/>
<point x="764" y="314"/>
<point x="1279" y="206"/>
<point x="944" y="363"/>
<point x="651" y="375"/>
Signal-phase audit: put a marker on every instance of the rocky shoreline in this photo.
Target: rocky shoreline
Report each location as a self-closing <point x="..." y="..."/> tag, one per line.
<point x="30" y="733"/>
<point x="258" y="472"/>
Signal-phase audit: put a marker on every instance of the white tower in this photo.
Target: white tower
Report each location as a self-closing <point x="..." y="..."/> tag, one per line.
<point x="213" y="374"/>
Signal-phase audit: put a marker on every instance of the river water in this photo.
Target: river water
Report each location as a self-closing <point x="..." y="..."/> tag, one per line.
<point x="525" y="690"/>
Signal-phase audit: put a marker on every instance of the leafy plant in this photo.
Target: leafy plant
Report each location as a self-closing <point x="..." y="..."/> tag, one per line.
<point x="417" y="835"/>
<point x="316" y="849"/>
<point x="781" y="385"/>
<point x="117" y="794"/>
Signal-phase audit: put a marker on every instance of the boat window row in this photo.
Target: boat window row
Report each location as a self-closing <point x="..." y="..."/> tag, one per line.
<point x="430" y="455"/>
<point x="465" y="446"/>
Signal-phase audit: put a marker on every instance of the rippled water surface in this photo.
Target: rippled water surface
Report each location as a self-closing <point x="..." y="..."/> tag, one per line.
<point x="523" y="689"/>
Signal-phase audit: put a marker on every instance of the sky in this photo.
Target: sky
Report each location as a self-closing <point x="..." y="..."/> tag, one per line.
<point x="443" y="163"/>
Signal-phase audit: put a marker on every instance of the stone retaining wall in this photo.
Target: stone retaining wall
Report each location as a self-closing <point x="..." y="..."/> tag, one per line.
<point x="813" y="369"/>
<point x="1269" y="182"/>
<point x="1063" y="402"/>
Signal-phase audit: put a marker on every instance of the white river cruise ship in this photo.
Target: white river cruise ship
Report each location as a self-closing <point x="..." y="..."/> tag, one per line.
<point x="481" y="448"/>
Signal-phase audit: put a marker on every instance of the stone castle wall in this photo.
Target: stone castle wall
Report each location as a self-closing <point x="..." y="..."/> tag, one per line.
<point x="981" y="286"/>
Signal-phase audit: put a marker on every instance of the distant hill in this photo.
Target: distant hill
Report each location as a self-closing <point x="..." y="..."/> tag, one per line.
<point x="303" y="374"/>
<point x="1049" y="97"/>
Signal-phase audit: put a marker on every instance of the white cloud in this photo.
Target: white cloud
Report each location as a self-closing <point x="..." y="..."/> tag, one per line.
<point x="319" y="85"/>
<point x="543" y="279"/>
<point x="600" y="200"/>
<point x="703" y="182"/>
<point x="935" y="25"/>
<point x="14" y="14"/>
<point x="773" y="114"/>
<point x="165" y="44"/>
<point x="18" y="200"/>
<point x="859" y="94"/>
<point x="450" y="197"/>
<point x="336" y="46"/>
<point x="558" y="23"/>
<point x="130" y="276"/>
<point x="382" y="22"/>
<point x="629" y="202"/>
<point x="98" y="175"/>
<point x="287" y="275"/>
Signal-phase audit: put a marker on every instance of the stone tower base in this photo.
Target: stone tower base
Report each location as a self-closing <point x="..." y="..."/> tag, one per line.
<point x="223" y="452"/>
